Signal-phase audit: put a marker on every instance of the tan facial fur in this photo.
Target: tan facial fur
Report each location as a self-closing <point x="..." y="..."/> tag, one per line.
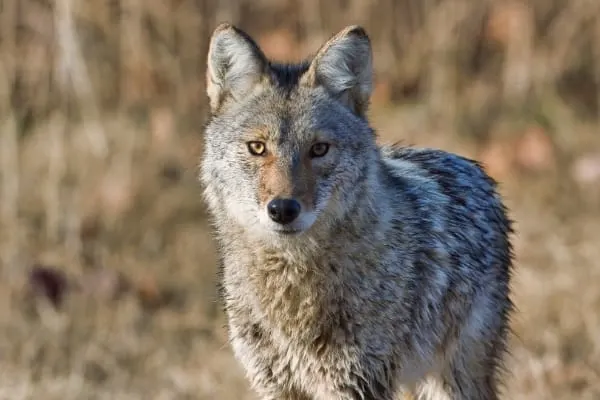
<point x="279" y="178"/>
<point x="274" y="180"/>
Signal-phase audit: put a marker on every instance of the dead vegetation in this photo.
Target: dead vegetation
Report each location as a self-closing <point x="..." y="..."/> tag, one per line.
<point x="107" y="264"/>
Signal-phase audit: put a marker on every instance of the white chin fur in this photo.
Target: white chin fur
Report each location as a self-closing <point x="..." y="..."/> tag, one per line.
<point x="304" y="221"/>
<point x="257" y="220"/>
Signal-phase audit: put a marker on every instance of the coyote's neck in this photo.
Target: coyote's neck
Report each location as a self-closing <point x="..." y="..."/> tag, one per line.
<point x="301" y="288"/>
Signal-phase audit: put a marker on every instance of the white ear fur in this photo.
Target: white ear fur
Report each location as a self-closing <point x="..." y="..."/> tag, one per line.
<point x="235" y="65"/>
<point x="344" y="67"/>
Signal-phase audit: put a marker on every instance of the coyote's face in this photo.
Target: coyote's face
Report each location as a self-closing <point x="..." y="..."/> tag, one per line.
<point x="287" y="146"/>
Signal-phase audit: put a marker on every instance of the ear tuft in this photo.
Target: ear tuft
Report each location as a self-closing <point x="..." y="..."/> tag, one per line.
<point x="235" y="65"/>
<point x="343" y="66"/>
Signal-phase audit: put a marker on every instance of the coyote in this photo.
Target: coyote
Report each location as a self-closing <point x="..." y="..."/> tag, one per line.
<point x="350" y="269"/>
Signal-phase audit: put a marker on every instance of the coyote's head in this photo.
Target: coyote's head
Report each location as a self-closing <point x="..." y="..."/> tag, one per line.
<point x="288" y="146"/>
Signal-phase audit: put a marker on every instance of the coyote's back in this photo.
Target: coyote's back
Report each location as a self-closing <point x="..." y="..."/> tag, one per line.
<point x="350" y="270"/>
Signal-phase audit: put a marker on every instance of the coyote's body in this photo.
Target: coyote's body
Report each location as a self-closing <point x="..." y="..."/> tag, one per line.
<point x="350" y="270"/>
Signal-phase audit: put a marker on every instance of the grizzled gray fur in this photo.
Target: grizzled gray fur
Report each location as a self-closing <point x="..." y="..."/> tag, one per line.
<point x="350" y="270"/>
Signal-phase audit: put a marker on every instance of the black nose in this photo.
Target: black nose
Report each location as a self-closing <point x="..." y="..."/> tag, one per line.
<point x="283" y="211"/>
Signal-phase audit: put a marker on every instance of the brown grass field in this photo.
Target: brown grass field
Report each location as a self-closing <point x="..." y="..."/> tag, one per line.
<point x="107" y="262"/>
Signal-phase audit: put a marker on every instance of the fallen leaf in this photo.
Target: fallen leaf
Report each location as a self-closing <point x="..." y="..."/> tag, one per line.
<point x="535" y="150"/>
<point x="148" y="292"/>
<point x="508" y="21"/>
<point x="498" y="159"/>
<point x="586" y="169"/>
<point x="48" y="282"/>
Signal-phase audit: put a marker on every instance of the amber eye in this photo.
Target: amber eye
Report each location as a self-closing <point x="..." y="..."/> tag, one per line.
<point x="319" y="149"/>
<point x="257" y="148"/>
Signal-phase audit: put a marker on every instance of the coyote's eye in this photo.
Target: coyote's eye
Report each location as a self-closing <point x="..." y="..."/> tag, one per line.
<point x="319" y="149"/>
<point x="257" y="148"/>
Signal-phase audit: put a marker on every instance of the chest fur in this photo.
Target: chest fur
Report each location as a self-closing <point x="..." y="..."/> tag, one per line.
<point x="295" y="297"/>
<point x="307" y="299"/>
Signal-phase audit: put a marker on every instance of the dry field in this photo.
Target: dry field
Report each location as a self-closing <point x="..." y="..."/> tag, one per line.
<point x="107" y="286"/>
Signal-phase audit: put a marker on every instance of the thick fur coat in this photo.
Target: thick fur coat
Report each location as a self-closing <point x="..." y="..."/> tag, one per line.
<point x="393" y="274"/>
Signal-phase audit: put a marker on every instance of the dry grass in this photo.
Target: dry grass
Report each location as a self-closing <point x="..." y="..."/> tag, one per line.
<point x="102" y="105"/>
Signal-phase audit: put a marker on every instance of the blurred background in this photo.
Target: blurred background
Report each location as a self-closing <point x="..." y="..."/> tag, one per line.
<point x="108" y="270"/>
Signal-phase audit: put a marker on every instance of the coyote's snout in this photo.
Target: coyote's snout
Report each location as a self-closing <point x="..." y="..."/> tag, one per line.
<point x="286" y="188"/>
<point x="351" y="270"/>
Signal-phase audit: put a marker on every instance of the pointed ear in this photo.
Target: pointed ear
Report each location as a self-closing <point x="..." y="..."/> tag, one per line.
<point x="344" y="67"/>
<point x="235" y="66"/>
